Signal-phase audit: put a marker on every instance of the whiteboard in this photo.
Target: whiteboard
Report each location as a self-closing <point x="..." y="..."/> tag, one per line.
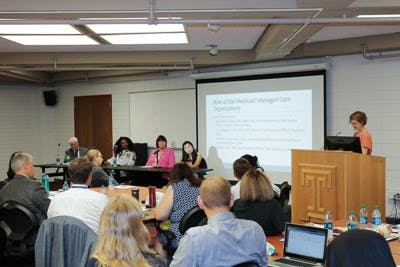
<point x="171" y="113"/>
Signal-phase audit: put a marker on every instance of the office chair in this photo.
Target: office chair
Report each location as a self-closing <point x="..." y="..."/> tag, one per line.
<point x="359" y="248"/>
<point x="141" y="153"/>
<point x="284" y="198"/>
<point x="64" y="241"/>
<point x="19" y="226"/>
<point x="247" y="264"/>
<point x="194" y="217"/>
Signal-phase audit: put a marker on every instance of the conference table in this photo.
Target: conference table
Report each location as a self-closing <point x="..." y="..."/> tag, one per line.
<point x="149" y="216"/>
<point x="275" y="241"/>
<point x="141" y="175"/>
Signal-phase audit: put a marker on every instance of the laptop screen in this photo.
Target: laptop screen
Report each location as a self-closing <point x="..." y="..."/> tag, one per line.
<point x="305" y="242"/>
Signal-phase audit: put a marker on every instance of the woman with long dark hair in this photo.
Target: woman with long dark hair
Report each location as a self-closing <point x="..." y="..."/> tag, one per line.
<point x="191" y="157"/>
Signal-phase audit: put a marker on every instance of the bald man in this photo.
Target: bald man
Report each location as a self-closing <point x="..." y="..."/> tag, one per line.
<point x="225" y="240"/>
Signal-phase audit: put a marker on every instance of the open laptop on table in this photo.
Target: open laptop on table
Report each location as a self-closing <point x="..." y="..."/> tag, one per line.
<point x="304" y="246"/>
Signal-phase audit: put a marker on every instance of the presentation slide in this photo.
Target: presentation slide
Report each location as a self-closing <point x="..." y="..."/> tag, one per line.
<point x="270" y="123"/>
<point x="264" y="117"/>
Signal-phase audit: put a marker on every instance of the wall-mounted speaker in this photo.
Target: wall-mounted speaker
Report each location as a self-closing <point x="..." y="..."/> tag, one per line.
<point x="50" y="97"/>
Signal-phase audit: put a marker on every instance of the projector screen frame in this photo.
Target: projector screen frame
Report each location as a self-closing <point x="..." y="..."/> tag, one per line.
<point x="265" y="77"/>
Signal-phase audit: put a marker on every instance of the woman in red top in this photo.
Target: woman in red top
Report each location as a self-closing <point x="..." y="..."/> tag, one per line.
<point x="358" y="120"/>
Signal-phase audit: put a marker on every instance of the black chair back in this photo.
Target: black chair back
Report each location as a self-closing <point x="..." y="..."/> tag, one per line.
<point x="285" y="193"/>
<point x="359" y="248"/>
<point x="203" y="164"/>
<point x="18" y="229"/>
<point x="141" y="153"/>
<point x="194" y="217"/>
<point x="17" y="221"/>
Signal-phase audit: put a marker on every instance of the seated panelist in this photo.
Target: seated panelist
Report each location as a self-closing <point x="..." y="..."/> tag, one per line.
<point x="123" y="152"/>
<point x="191" y="157"/>
<point x="75" y="151"/>
<point x="123" y="156"/>
<point x="162" y="156"/>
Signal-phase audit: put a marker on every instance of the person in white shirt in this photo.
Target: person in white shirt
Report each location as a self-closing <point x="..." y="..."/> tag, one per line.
<point x="79" y="202"/>
<point x="123" y="155"/>
<point x="240" y="167"/>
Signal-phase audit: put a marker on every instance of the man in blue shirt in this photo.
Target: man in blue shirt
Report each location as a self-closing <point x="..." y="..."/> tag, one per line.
<point x="225" y="240"/>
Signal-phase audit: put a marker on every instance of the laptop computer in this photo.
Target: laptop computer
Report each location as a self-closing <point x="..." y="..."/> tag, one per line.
<point x="304" y="246"/>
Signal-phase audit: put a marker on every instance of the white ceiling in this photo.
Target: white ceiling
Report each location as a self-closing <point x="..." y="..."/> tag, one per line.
<point x="250" y="31"/>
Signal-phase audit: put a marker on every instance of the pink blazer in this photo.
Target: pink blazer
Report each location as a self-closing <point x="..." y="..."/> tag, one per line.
<point x="167" y="159"/>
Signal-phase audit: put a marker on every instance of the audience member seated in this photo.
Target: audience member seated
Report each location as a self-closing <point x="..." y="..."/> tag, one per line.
<point x="75" y="151"/>
<point x="123" y="155"/>
<point x="23" y="188"/>
<point x="99" y="176"/>
<point x="240" y="167"/>
<point x="191" y="157"/>
<point x="79" y="201"/>
<point x="224" y="240"/>
<point x="123" y="239"/>
<point x="359" y="248"/>
<point x="253" y="160"/>
<point x="179" y="197"/>
<point x="162" y="156"/>
<point x="257" y="203"/>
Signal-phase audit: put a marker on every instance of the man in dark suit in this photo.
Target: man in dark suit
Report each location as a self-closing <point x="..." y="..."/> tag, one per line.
<point x="75" y="151"/>
<point x="23" y="188"/>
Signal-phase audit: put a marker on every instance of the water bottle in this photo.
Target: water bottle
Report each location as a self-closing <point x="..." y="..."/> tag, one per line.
<point x="111" y="185"/>
<point x="103" y="189"/>
<point x="67" y="159"/>
<point x="376" y="217"/>
<point x="328" y="223"/>
<point x="114" y="162"/>
<point x="58" y="160"/>
<point x="45" y="182"/>
<point x="65" y="186"/>
<point x="352" y="222"/>
<point x="363" y="218"/>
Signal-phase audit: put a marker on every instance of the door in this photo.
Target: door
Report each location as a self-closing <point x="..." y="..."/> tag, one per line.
<point x="93" y="122"/>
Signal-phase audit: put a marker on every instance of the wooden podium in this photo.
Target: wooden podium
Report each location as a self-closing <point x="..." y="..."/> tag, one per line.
<point x="339" y="181"/>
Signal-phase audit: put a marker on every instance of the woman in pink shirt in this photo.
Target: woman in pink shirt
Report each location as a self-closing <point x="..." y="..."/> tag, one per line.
<point x="358" y="120"/>
<point x="162" y="156"/>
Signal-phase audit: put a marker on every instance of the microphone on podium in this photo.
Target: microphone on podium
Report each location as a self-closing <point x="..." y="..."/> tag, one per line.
<point x="338" y="133"/>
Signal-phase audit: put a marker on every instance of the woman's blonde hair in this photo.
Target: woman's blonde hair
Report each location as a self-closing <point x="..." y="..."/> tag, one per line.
<point x="122" y="237"/>
<point x="92" y="153"/>
<point x="255" y="186"/>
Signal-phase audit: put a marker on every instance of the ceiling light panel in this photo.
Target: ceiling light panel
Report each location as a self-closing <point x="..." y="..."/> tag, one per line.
<point x="154" y="38"/>
<point x="135" y="28"/>
<point x="50" y="40"/>
<point x="380" y="16"/>
<point x="38" y="29"/>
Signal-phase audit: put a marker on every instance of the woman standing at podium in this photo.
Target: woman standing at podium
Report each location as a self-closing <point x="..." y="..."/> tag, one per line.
<point x="358" y="120"/>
